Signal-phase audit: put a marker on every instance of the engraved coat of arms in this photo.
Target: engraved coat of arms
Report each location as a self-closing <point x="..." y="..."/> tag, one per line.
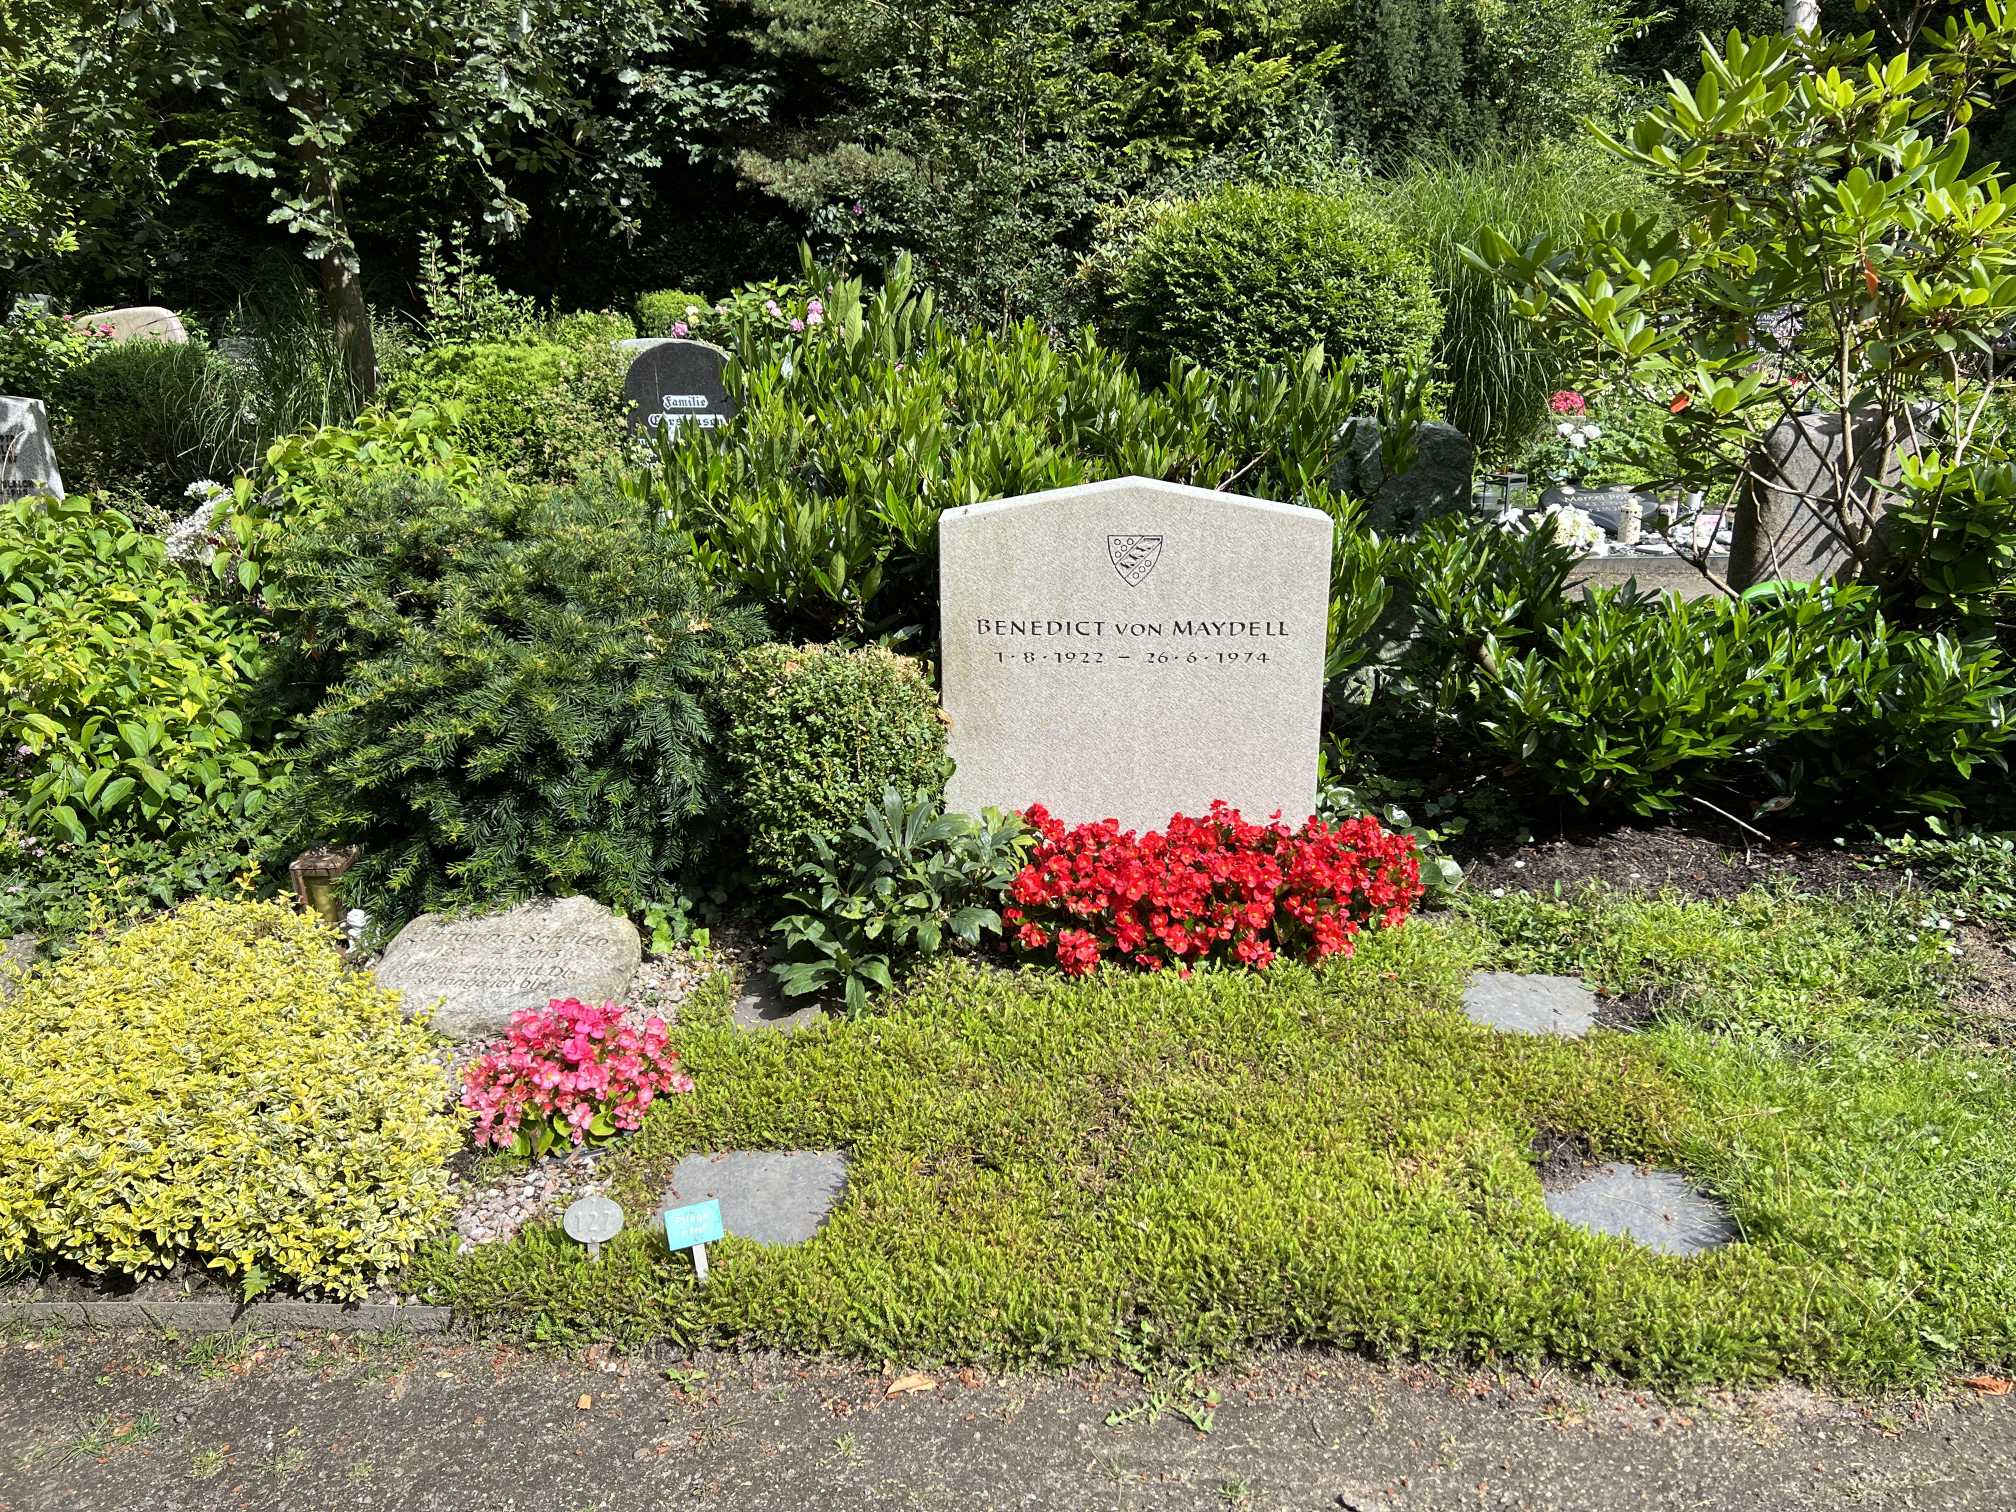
<point x="1134" y="556"/>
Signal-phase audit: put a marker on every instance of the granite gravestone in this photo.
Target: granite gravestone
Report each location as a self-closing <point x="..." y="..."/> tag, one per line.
<point x="1788" y="527"/>
<point x="674" y="382"/>
<point x="1439" y="481"/>
<point x="1134" y="649"/>
<point x="481" y="971"/>
<point x="27" y="455"/>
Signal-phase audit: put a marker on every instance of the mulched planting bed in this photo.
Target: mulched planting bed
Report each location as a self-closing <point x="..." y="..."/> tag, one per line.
<point x="1701" y="859"/>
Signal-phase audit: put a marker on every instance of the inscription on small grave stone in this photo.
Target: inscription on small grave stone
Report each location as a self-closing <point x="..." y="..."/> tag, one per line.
<point x="1133" y="649"/>
<point x="482" y="970"/>
<point x="673" y="383"/>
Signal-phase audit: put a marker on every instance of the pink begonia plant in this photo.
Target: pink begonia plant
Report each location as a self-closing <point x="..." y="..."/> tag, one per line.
<point x="570" y="1071"/>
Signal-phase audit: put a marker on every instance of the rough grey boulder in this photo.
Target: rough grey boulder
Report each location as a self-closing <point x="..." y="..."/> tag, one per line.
<point x="475" y="973"/>
<point x="1438" y="483"/>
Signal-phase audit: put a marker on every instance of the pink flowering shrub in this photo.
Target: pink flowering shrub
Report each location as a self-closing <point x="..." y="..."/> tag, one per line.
<point x="569" y="1071"/>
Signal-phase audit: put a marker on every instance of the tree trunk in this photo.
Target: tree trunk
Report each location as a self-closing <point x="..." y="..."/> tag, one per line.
<point x="344" y="296"/>
<point x="337" y="269"/>
<point x="1802" y="16"/>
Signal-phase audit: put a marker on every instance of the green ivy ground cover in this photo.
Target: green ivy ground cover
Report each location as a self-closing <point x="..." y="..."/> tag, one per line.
<point x="1046" y="1172"/>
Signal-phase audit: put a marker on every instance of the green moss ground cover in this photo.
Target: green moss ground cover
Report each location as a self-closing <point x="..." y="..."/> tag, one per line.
<point x="1046" y="1172"/>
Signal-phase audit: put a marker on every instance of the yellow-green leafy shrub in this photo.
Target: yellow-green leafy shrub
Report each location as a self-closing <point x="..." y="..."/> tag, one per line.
<point x="214" y="1085"/>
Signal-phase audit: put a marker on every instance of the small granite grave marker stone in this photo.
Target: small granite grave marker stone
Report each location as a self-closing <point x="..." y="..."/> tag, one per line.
<point x="483" y="970"/>
<point x="1658" y="1209"/>
<point x="27" y="455"/>
<point x="771" y="1196"/>
<point x="674" y="382"/>
<point x="1134" y="649"/>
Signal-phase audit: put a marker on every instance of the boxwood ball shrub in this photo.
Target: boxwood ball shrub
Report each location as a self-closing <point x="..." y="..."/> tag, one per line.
<point x="513" y="702"/>
<point x="659" y="311"/>
<point x="1248" y="276"/>
<point x="214" y="1085"/>
<point x="814" y="734"/>
<point x="543" y="411"/>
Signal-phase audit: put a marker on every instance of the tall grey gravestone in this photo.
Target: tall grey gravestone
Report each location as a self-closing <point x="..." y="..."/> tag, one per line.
<point x="27" y="455"/>
<point x="1134" y="649"/>
<point x="673" y="383"/>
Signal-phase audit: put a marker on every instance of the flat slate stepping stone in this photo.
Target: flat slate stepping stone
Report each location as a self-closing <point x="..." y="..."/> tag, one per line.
<point x="771" y="1196"/>
<point x="759" y="1005"/>
<point x="1520" y="1004"/>
<point x="1661" y="1210"/>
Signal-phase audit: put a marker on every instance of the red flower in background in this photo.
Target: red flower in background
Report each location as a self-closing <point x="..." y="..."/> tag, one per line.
<point x="1567" y="402"/>
<point x="1210" y="888"/>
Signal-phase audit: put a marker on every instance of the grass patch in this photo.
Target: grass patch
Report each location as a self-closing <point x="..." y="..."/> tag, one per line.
<point x="1047" y="1172"/>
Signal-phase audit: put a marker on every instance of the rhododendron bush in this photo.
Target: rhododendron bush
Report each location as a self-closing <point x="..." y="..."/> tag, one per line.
<point x="570" y="1071"/>
<point x="1215" y="888"/>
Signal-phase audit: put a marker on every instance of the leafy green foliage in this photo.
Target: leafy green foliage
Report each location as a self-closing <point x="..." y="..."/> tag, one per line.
<point x="57" y="890"/>
<point x="988" y="138"/>
<point x="305" y="1144"/>
<point x="537" y="410"/>
<point x="307" y="476"/>
<point x="822" y="499"/>
<point x="1484" y="671"/>
<point x="1813" y="695"/>
<point x="333" y="109"/>
<point x="461" y="304"/>
<point x="905" y="882"/>
<point x="1975" y="868"/>
<point x="1247" y="277"/>
<point x="125" y="698"/>
<point x="515" y="695"/>
<point x="813" y="734"/>
<point x="133" y="429"/>
<point x="1048" y="1171"/>
<point x="38" y="349"/>
<point x="1813" y="176"/>
<point x="661" y="309"/>
<point x="1496" y="367"/>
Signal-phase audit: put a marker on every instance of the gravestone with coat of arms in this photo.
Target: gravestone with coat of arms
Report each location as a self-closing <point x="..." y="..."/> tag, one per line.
<point x="1134" y="649"/>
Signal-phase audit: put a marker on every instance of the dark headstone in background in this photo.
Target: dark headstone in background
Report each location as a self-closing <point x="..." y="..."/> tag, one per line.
<point x="673" y="382"/>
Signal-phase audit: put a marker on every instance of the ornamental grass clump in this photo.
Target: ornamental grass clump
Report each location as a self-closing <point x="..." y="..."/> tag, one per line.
<point x="213" y="1086"/>
<point x="570" y="1071"/>
<point x="1204" y="889"/>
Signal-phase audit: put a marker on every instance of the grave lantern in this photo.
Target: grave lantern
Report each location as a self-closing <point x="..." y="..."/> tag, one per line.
<point x="315" y="875"/>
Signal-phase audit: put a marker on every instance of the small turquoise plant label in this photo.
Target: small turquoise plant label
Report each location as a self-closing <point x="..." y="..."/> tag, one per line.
<point x="696" y="1223"/>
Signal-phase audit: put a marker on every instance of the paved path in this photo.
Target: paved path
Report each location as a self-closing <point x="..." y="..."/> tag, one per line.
<point x="107" y="1425"/>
